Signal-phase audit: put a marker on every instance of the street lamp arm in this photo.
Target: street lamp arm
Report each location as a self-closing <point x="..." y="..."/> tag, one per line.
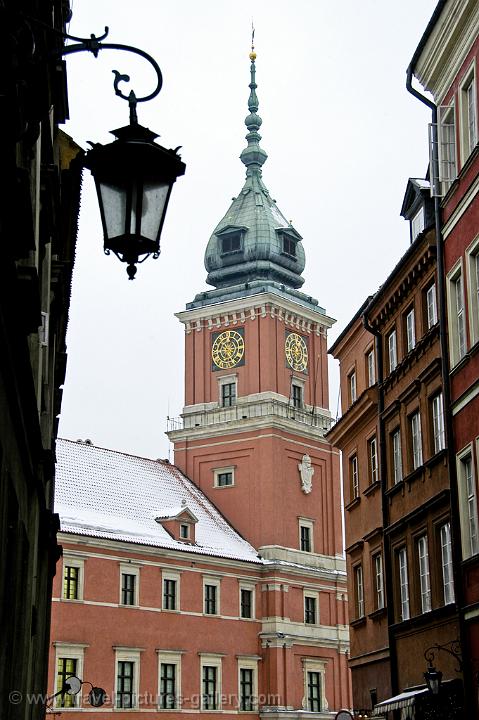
<point x="454" y="649"/>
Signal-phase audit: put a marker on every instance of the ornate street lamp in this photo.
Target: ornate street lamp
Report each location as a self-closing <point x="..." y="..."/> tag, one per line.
<point x="433" y="679"/>
<point x="432" y="676"/>
<point x="133" y="174"/>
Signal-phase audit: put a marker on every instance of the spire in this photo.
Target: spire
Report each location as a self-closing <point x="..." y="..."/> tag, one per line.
<point x="253" y="156"/>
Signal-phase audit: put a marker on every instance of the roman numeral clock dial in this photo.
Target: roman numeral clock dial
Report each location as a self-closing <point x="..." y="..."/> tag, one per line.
<point x="227" y="349"/>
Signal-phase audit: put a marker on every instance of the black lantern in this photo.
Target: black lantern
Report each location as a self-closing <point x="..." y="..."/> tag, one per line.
<point x="133" y="177"/>
<point x="433" y="679"/>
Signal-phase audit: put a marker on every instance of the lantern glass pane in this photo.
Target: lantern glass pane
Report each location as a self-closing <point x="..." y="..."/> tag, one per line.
<point x="114" y="209"/>
<point x="153" y="209"/>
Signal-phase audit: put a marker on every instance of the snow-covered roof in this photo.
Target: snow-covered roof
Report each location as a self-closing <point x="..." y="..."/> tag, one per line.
<point x="108" y="494"/>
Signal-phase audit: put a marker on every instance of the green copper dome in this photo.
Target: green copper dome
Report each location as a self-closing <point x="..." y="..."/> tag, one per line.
<point x="254" y="242"/>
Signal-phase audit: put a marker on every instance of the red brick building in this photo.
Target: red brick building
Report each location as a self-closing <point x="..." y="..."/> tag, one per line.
<point x="218" y="584"/>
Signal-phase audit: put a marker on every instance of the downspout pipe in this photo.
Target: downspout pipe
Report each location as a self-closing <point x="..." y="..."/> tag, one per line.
<point x="387" y="566"/>
<point x="446" y="385"/>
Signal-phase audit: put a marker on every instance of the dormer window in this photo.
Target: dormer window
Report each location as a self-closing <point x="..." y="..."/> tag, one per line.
<point x="179" y="523"/>
<point x="231" y="243"/>
<point x="184" y="531"/>
<point x="230" y="239"/>
<point x="289" y="246"/>
<point x="417" y="224"/>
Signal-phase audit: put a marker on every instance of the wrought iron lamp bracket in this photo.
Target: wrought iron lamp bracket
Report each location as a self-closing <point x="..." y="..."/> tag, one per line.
<point x="452" y="647"/>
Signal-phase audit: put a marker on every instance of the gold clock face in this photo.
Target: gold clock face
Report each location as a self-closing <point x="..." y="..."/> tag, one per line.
<point x="296" y="352"/>
<point x="228" y="349"/>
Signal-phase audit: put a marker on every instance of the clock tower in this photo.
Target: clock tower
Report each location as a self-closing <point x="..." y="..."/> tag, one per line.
<point x="251" y="435"/>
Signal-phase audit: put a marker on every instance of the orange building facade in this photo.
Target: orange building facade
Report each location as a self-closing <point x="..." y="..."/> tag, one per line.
<point x="217" y="584"/>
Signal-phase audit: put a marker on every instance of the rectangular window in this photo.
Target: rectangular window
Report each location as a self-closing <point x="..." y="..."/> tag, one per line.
<point x="246" y="694"/>
<point x="468" y="103"/>
<point x="379" y="580"/>
<point x="354" y="477"/>
<point x="224" y="479"/>
<point x="211" y="604"/>
<point x="373" y="461"/>
<point x="314" y="691"/>
<point x="352" y="387"/>
<point x="310" y="610"/>
<point x="168" y="692"/>
<point x="403" y="584"/>
<point x="397" y="456"/>
<point x="305" y="533"/>
<point x="359" y="590"/>
<point x="431" y="306"/>
<point x="468" y="509"/>
<point x="246" y="603"/>
<point x="228" y="394"/>
<point x="231" y="243"/>
<point x="128" y="583"/>
<point x="424" y="577"/>
<point x="447" y="146"/>
<point x="66" y="667"/>
<point x="169" y="594"/>
<point x="416" y="440"/>
<point x="289" y="246"/>
<point x="125" y="697"/>
<point x="410" y="330"/>
<point x="71" y="581"/>
<point x="438" y="423"/>
<point x="446" y="562"/>
<point x="184" y="532"/>
<point x="417" y="224"/>
<point x="371" y="367"/>
<point x="392" y="351"/>
<point x="297" y="395"/>
<point x="460" y="319"/>
<point x="210" y="687"/>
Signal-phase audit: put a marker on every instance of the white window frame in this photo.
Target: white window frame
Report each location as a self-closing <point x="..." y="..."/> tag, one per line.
<point x="416" y="440"/>
<point x="168" y="575"/>
<point x="403" y="584"/>
<point x="438" y="430"/>
<point x="424" y="573"/>
<point x="397" y="456"/>
<point x="468" y="510"/>
<point x="468" y="113"/>
<point x="212" y="660"/>
<point x="359" y="591"/>
<point x="314" y="665"/>
<point x="373" y="460"/>
<point x="456" y="313"/>
<point x="314" y="595"/>
<point x="70" y="651"/>
<point x="127" y="654"/>
<point x="392" y="350"/>
<point x="446" y="563"/>
<point x="447" y="150"/>
<point x="127" y="569"/>
<point x="73" y="561"/>
<point x="371" y="365"/>
<point x="227" y="380"/>
<point x="252" y="589"/>
<point x="354" y="476"/>
<point x="352" y="386"/>
<point x="306" y="523"/>
<point x="207" y="580"/>
<point x="378" y="579"/>
<point x="411" y="330"/>
<point x="431" y="306"/>
<point x="472" y="259"/>
<point x="220" y="471"/>
<point x="300" y="384"/>
<point x="417" y="223"/>
<point x="247" y="662"/>
<point x="170" y="657"/>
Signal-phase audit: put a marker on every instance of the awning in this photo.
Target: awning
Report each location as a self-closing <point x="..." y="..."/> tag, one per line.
<point x="405" y="699"/>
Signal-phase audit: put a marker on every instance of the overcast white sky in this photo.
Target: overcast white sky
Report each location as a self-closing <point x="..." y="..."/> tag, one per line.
<point x="342" y="134"/>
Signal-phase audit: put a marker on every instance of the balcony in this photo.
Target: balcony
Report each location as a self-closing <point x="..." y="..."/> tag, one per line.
<point x="271" y="408"/>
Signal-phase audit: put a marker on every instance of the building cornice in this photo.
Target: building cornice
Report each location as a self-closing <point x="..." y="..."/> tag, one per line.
<point x="236" y="312"/>
<point x="446" y="48"/>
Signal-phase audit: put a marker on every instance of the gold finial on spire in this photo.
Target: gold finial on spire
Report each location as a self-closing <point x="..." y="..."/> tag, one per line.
<point x="252" y="55"/>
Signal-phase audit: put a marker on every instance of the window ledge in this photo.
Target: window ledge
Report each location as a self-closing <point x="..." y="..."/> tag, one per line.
<point x="378" y="614"/>
<point x="358" y="622"/>
<point x="397" y="487"/>
<point x="353" y="504"/>
<point x="372" y="488"/>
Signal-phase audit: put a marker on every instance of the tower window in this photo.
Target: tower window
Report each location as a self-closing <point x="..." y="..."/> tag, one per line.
<point x="228" y="394"/>
<point x="231" y="243"/>
<point x="289" y="246"/>
<point x="297" y="395"/>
